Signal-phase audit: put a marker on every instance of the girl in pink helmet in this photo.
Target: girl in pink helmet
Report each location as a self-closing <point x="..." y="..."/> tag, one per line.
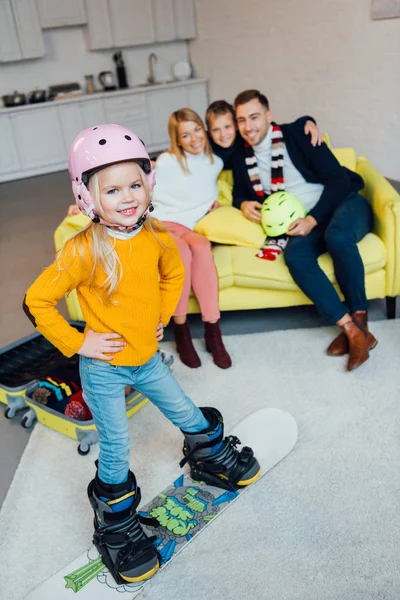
<point x="186" y="189"/>
<point x="128" y="275"/>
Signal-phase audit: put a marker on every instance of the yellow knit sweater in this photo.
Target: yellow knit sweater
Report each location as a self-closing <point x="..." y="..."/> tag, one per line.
<point x="148" y="292"/>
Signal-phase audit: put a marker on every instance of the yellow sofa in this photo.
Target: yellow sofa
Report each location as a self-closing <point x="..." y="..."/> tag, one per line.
<point x="247" y="282"/>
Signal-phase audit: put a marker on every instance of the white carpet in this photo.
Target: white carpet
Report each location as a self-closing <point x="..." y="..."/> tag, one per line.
<point x="324" y="525"/>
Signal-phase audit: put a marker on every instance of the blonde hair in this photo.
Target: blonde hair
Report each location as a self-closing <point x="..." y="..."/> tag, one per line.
<point x="180" y="116"/>
<point x="102" y="245"/>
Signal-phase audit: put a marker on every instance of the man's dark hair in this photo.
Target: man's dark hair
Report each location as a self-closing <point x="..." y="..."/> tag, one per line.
<point x="247" y="95"/>
<point x="218" y="108"/>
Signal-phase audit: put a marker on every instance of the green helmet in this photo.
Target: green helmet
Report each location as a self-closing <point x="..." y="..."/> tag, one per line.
<point x="279" y="211"/>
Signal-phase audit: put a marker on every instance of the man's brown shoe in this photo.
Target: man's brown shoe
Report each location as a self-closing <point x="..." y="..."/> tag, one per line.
<point x="357" y="338"/>
<point x="340" y="345"/>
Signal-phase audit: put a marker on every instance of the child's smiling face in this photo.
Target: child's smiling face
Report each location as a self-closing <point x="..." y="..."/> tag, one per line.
<point x="123" y="197"/>
<point x="222" y="129"/>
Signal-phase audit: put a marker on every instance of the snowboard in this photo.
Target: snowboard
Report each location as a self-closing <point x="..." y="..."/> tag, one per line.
<point x="182" y="510"/>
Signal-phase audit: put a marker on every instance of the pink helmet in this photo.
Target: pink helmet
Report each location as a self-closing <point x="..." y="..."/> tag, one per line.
<point x="99" y="147"/>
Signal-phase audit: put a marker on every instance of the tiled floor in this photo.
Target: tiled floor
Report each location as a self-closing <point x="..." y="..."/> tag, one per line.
<point x="30" y="210"/>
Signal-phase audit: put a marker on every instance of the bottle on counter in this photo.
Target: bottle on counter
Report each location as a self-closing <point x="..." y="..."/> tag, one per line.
<point x="121" y="71"/>
<point x="89" y="84"/>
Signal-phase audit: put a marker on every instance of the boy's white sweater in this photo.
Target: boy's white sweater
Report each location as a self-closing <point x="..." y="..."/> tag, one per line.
<point x="185" y="197"/>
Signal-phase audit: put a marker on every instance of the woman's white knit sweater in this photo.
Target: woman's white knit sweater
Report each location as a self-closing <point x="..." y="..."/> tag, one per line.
<point x="181" y="197"/>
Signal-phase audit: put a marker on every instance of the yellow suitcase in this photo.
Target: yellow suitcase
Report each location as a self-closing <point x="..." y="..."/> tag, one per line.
<point x="29" y="360"/>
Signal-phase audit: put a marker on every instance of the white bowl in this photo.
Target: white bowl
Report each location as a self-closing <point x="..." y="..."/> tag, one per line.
<point x="182" y="70"/>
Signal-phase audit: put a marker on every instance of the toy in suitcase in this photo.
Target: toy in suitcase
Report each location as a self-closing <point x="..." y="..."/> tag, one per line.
<point x="34" y="375"/>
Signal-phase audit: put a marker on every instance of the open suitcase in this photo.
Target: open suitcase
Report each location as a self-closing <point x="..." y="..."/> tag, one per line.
<point x="28" y="361"/>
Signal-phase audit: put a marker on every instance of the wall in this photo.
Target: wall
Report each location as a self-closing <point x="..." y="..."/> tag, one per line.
<point x="68" y="60"/>
<point x="326" y="58"/>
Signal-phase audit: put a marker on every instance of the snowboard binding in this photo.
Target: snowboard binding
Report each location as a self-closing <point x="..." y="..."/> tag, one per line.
<point x="127" y="552"/>
<point x="215" y="459"/>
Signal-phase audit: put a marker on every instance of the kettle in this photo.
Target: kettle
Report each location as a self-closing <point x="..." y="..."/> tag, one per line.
<point x="106" y="79"/>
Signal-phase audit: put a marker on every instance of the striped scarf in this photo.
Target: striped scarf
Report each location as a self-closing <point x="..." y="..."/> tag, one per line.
<point x="272" y="246"/>
<point x="277" y="181"/>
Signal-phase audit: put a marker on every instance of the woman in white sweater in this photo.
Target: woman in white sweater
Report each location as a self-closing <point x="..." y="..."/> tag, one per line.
<point x="186" y="189"/>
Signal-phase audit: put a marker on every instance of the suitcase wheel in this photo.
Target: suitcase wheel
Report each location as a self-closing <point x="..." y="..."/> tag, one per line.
<point x="28" y="419"/>
<point x="83" y="449"/>
<point x="9" y="413"/>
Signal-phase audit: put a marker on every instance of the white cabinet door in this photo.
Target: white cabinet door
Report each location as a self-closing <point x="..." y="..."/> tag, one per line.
<point x="131" y="22"/>
<point x="71" y="121"/>
<point x="92" y="113"/>
<point x="9" y="44"/>
<point x="185" y="19"/>
<point x="61" y="13"/>
<point x="161" y="104"/>
<point x="131" y="112"/>
<point x="164" y="22"/>
<point x="9" y="161"/>
<point x="197" y="97"/>
<point x="28" y="27"/>
<point x="78" y="116"/>
<point x="39" y="137"/>
<point x="99" y="25"/>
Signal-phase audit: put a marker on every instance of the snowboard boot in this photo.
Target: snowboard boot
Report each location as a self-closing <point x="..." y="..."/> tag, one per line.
<point x="215" y="459"/>
<point x="125" y="549"/>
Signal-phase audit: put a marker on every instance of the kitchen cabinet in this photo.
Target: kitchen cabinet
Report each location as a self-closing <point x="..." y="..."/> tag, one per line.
<point x="131" y="112"/>
<point x="59" y="13"/>
<point x="9" y="43"/>
<point x="77" y="116"/>
<point x="197" y="98"/>
<point x="9" y="160"/>
<point x="20" y="33"/>
<point x="36" y="137"/>
<point x="119" y="23"/>
<point x="185" y="19"/>
<point x="39" y="137"/>
<point x="99" y="34"/>
<point x="28" y="27"/>
<point x="161" y="104"/>
<point x="131" y="22"/>
<point x="164" y="21"/>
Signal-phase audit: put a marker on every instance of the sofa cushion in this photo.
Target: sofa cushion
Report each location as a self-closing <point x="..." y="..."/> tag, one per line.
<point x="252" y="272"/>
<point x="227" y="225"/>
<point x="346" y="156"/>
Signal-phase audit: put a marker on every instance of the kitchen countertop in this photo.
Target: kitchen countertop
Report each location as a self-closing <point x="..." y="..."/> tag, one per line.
<point x="102" y="94"/>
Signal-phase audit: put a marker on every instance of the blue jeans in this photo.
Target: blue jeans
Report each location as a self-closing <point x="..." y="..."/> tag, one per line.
<point x="103" y="390"/>
<point x="351" y="221"/>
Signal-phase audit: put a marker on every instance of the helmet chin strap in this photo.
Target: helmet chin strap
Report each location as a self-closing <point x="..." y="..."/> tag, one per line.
<point x="96" y="219"/>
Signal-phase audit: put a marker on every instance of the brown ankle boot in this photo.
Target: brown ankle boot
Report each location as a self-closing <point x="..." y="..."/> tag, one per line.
<point x="215" y="345"/>
<point x="184" y="346"/>
<point x="357" y="338"/>
<point x="340" y="345"/>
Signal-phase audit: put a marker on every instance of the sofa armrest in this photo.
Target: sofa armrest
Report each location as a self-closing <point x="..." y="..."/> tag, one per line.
<point x="385" y="203"/>
<point x="69" y="227"/>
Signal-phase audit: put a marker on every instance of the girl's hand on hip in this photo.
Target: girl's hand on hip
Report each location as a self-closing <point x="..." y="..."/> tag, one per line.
<point x="101" y="345"/>
<point x="160" y="332"/>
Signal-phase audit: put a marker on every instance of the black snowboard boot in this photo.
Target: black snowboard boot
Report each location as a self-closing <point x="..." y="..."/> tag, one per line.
<point x="215" y="459"/>
<point x="126" y="550"/>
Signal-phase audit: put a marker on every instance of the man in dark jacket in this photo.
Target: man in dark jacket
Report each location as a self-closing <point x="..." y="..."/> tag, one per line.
<point x="281" y="158"/>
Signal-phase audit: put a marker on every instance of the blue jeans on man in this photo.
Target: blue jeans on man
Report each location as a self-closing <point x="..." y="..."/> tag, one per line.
<point x="351" y="221"/>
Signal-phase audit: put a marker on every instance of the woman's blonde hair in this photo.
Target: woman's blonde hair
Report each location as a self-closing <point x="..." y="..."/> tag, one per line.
<point x="102" y="245"/>
<point x="180" y="116"/>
